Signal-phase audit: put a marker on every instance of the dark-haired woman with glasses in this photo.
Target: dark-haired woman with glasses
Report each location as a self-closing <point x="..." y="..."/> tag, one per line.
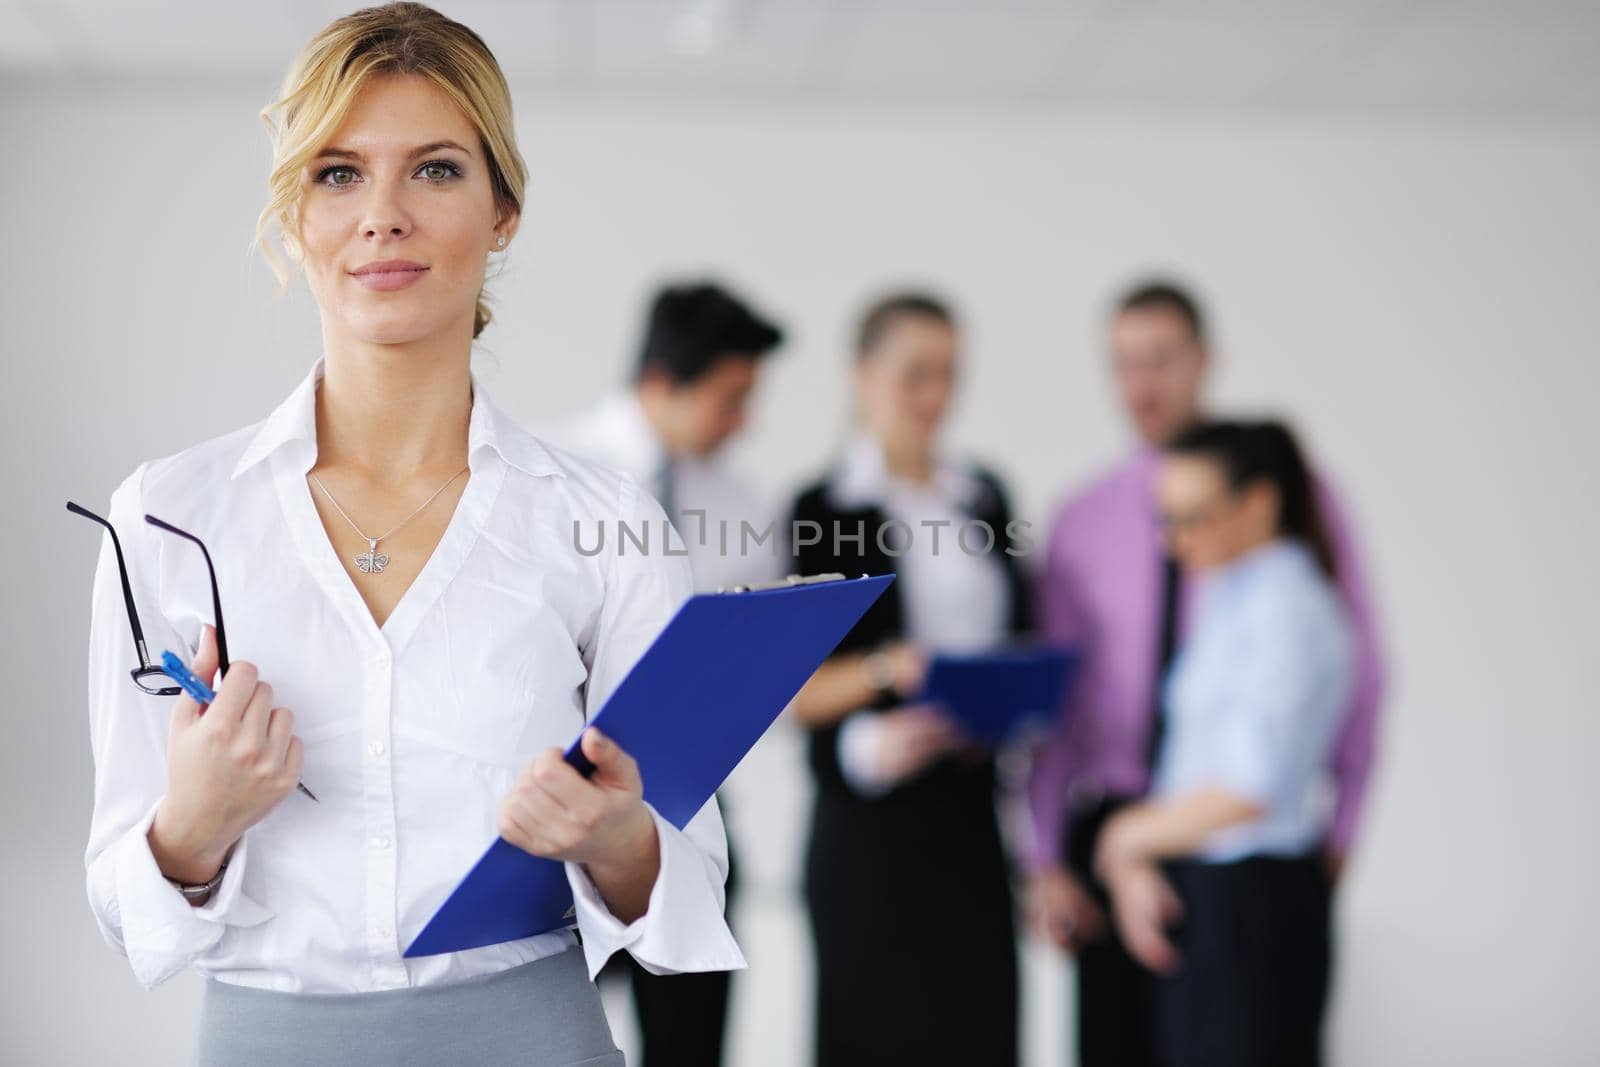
<point x="398" y="562"/>
<point x="1216" y="880"/>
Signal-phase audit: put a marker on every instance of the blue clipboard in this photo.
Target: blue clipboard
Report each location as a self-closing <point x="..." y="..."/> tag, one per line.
<point x="701" y="696"/>
<point x="994" y="695"/>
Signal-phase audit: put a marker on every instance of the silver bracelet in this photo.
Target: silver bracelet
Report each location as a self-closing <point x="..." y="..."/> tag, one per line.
<point x="199" y="892"/>
<point x="878" y="670"/>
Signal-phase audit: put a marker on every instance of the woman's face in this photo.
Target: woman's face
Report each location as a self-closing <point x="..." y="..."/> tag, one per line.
<point x="1208" y="523"/>
<point x="906" y="382"/>
<point x="404" y="178"/>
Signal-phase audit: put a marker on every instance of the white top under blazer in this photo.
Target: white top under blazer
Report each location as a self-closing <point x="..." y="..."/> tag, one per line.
<point x="508" y="641"/>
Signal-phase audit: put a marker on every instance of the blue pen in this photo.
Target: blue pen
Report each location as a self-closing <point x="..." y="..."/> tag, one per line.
<point x="174" y="668"/>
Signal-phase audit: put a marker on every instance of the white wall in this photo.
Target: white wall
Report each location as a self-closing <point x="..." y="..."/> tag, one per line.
<point x="1418" y="294"/>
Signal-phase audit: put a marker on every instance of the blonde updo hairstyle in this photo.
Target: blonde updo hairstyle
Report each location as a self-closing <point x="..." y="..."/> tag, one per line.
<point x="326" y="78"/>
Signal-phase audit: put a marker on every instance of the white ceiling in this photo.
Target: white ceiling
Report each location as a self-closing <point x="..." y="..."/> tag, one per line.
<point x="1538" y="57"/>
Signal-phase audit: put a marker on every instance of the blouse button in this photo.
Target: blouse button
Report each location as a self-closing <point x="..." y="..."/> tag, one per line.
<point x="376" y="748"/>
<point x="380" y="840"/>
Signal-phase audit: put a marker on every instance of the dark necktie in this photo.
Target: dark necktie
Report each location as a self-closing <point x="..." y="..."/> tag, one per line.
<point x="1170" y="581"/>
<point x="666" y="491"/>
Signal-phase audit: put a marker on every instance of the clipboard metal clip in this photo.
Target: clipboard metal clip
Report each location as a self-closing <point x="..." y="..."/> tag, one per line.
<point x="783" y="583"/>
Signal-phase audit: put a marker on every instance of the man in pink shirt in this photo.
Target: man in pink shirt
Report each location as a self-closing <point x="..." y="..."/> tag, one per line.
<point x="1108" y="586"/>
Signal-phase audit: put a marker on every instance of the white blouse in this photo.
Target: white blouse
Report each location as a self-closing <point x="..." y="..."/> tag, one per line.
<point x="509" y="640"/>
<point x="954" y="599"/>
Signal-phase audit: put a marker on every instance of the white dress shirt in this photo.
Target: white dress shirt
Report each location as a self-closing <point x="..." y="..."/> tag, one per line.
<point x="508" y="641"/>
<point x="955" y="601"/>
<point x="1255" y="698"/>
<point x="713" y="506"/>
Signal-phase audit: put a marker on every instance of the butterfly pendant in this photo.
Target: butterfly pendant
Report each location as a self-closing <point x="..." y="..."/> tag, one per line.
<point x="372" y="561"/>
<point x="372" y="564"/>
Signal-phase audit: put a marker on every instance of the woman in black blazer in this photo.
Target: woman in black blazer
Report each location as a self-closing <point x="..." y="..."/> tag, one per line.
<point x="906" y="879"/>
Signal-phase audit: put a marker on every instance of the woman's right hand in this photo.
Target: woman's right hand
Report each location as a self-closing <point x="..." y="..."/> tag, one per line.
<point x="229" y="763"/>
<point x="910" y="738"/>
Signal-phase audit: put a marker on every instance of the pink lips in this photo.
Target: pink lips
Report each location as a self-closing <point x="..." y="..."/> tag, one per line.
<point x="387" y="274"/>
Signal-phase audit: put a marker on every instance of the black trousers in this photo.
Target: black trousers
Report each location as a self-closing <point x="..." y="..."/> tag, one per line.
<point x="682" y="1017"/>
<point x="909" y="899"/>
<point x="1116" y="995"/>
<point x="1257" y="953"/>
<point x="1256" y="941"/>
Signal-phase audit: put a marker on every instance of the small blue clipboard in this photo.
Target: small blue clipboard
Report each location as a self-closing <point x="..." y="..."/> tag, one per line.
<point x="701" y="696"/>
<point x="994" y="695"/>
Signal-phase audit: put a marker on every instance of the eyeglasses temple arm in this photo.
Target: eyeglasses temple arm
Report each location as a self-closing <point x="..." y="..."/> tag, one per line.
<point x="216" y="597"/>
<point x="122" y="573"/>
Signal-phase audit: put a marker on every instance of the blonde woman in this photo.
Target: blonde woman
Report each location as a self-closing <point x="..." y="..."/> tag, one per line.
<point x="414" y="632"/>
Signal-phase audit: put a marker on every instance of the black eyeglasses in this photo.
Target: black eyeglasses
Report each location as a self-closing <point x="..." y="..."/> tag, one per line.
<point x="216" y="599"/>
<point x="149" y="677"/>
<point x="144" y="672"/>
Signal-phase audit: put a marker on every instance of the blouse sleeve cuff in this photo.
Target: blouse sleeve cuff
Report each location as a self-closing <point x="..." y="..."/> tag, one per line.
<point x="1250" y="776"/>
<point x="161" y="931"/>
<point x="683" y="927"/>
<point x="859" y="740"/>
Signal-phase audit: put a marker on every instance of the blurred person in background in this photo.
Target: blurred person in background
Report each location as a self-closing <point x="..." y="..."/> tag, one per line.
<point x="906" y="878"/>
<point x="699" y="362"/>
<point x="1108" y="585"/>
<point x="698" y="365"/>
<point x="1217" y="880"/>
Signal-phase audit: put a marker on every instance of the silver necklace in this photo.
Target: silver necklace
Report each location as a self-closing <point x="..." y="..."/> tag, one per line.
<point x="372" y="561"/>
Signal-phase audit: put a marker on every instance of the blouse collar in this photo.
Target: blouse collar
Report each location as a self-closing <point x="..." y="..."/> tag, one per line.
<point x="1278" y="554"/>
<point x="862" y="479"/>
<point x="295" y="420"/>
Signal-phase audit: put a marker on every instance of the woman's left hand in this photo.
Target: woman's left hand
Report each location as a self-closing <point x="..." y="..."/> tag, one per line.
<point x="1144" y="908"/>
<point x="600" y="821"/>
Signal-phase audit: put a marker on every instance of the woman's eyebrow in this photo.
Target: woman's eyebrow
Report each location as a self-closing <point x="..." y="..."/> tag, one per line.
<point x="332" y="152"/>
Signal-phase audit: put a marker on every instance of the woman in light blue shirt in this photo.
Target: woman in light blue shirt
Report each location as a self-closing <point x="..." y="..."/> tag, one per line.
<point x="1216" y="879"/>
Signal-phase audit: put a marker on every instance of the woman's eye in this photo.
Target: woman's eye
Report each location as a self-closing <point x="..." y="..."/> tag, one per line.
<point x="439" y="170"/>
<point x="327" y="172"/>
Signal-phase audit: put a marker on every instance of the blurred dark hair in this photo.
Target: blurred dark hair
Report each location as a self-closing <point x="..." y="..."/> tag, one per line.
<point x="1160" y="293"/>
<point x="692" y="326"/>
<point x="1265" y="451"/>
<point x="882" y="313"/>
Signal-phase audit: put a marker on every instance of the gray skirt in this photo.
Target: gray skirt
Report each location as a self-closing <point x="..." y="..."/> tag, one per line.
<point x="542" y="1014"/>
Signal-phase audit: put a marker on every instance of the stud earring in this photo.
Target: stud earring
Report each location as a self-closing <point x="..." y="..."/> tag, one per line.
<point x="501" y="241"/>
